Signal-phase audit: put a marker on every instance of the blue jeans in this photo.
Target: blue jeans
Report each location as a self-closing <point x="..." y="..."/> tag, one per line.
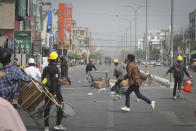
<point x="135" y="88"/>
<point x="89" y="74"/>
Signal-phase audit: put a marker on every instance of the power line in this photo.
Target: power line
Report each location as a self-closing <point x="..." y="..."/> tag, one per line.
<point x="117" y="15"/>
<point x="107" y="46"/>
<point x="112" y="40"/>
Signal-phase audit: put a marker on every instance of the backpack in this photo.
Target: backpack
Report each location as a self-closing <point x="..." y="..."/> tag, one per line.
<point x="178" y="71"/>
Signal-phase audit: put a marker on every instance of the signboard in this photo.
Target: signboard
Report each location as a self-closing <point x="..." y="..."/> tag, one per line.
<point x="22" y="42"/>
<point x="49" y="24"/>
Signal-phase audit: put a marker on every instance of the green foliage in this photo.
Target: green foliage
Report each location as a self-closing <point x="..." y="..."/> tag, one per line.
<point x="74" y="56"/>
<point x="96" y="56"/>
<point x="141" y="54"/>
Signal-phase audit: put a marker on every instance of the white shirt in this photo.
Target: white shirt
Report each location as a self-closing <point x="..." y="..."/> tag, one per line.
<point x="34" y="72"/>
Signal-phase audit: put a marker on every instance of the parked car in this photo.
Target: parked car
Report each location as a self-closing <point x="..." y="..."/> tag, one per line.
<point x="152" y="62"/>
<point x="157" y="63"/>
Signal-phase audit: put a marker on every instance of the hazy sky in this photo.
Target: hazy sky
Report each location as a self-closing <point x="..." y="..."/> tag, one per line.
<point x="108" y="19"/>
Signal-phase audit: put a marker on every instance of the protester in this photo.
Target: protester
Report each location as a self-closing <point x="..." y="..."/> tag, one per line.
<point x="9" y="83"/>
<point x="119" y="73"/>
<point x="64" y="69"/>
<point x="9" y="118"/>
<point x="51" y="78"/>
<point x="33" y="71"/>
<point x="89" y="69"/>
<point x="135" y="81"/>
<point x="178" y="70"/>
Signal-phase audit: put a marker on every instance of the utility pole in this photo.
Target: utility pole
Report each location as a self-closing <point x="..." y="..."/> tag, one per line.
<point x="135" y="11"/>
<point x="147" y="49"/>
<point x="130" y="35"/>
<point x="171" y="40"/>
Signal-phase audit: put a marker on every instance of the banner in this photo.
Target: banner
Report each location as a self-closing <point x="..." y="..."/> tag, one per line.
<point x="49" y="24"/>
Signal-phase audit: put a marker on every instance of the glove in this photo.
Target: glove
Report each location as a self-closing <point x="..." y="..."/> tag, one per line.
<point x="44" y="81"/>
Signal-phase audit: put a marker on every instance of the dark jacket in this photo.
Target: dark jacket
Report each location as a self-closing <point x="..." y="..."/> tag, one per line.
<point x="133" y="74"/>
<point x="64" y="69"/>
<point x="90" y="67"/>
<point x="52" y="74"/>
<point x="184" y="70"/>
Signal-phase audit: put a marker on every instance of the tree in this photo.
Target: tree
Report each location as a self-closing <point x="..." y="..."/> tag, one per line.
<point x="96" y="56"/>
<point x="74" y="56"/>
<point x="141" y="54"/>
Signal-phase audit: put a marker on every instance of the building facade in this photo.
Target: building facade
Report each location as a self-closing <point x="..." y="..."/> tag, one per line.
<point x="192" y="25"/>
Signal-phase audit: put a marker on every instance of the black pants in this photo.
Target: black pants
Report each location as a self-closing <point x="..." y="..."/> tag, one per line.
<point x="47" y="111"/>
<point x="177" y="83"/>
<point x="69" y="80"/>
<point x="117" y="85"/>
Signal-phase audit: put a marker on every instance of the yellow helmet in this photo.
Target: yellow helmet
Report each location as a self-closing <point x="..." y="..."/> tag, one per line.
<point x="115" y="60"/>
<point x="53" y="55"/>
<point x="124" y="83"/>
<point x="180" y="58"/>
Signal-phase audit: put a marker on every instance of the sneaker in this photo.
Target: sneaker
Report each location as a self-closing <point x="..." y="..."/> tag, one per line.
<point x="125" y="108"/>
<point x="153" y="105"/>
<point x="137" y="100"/>
<point x="46" y="128"/>
<point x="174" y="97"/>
<point x="60" y="127"/>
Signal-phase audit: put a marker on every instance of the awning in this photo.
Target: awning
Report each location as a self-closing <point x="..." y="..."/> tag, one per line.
<point x="193" y="52"/>
<point x="2" y="40"/>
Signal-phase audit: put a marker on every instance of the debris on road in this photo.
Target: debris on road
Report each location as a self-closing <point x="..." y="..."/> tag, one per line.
<point x="90" y="93"/>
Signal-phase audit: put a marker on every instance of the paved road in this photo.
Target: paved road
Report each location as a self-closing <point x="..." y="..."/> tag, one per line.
<point x="99" y="112"/>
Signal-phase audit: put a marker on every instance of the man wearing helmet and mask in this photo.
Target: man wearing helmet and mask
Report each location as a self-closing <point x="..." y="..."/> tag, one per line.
<point x="51" y="78"/>
<point x="119" y="74"/>
<point x="178" y="71"/>
<point x="33" y="71"/>
<point x="89" y="68"/>
<point x="12" y="74"/>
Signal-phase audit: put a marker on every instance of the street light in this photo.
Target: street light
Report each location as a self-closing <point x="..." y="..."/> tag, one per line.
<point x="130" y="23"/>
<point x="135" y="12"/>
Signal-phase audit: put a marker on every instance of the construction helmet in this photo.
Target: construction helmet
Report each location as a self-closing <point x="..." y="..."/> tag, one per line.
<point x="53" y="56"/>
<point x="31" y="61"/>
<point x="124" y="83"/>
<point x="180" y="58"/>
<point x="115" y="60"/>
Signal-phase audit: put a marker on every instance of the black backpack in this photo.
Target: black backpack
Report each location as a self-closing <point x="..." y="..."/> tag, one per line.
<point x="178" y="71"/>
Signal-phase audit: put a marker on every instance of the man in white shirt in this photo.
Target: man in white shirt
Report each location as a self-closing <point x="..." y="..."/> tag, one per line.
<point x="33" y="71"/>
